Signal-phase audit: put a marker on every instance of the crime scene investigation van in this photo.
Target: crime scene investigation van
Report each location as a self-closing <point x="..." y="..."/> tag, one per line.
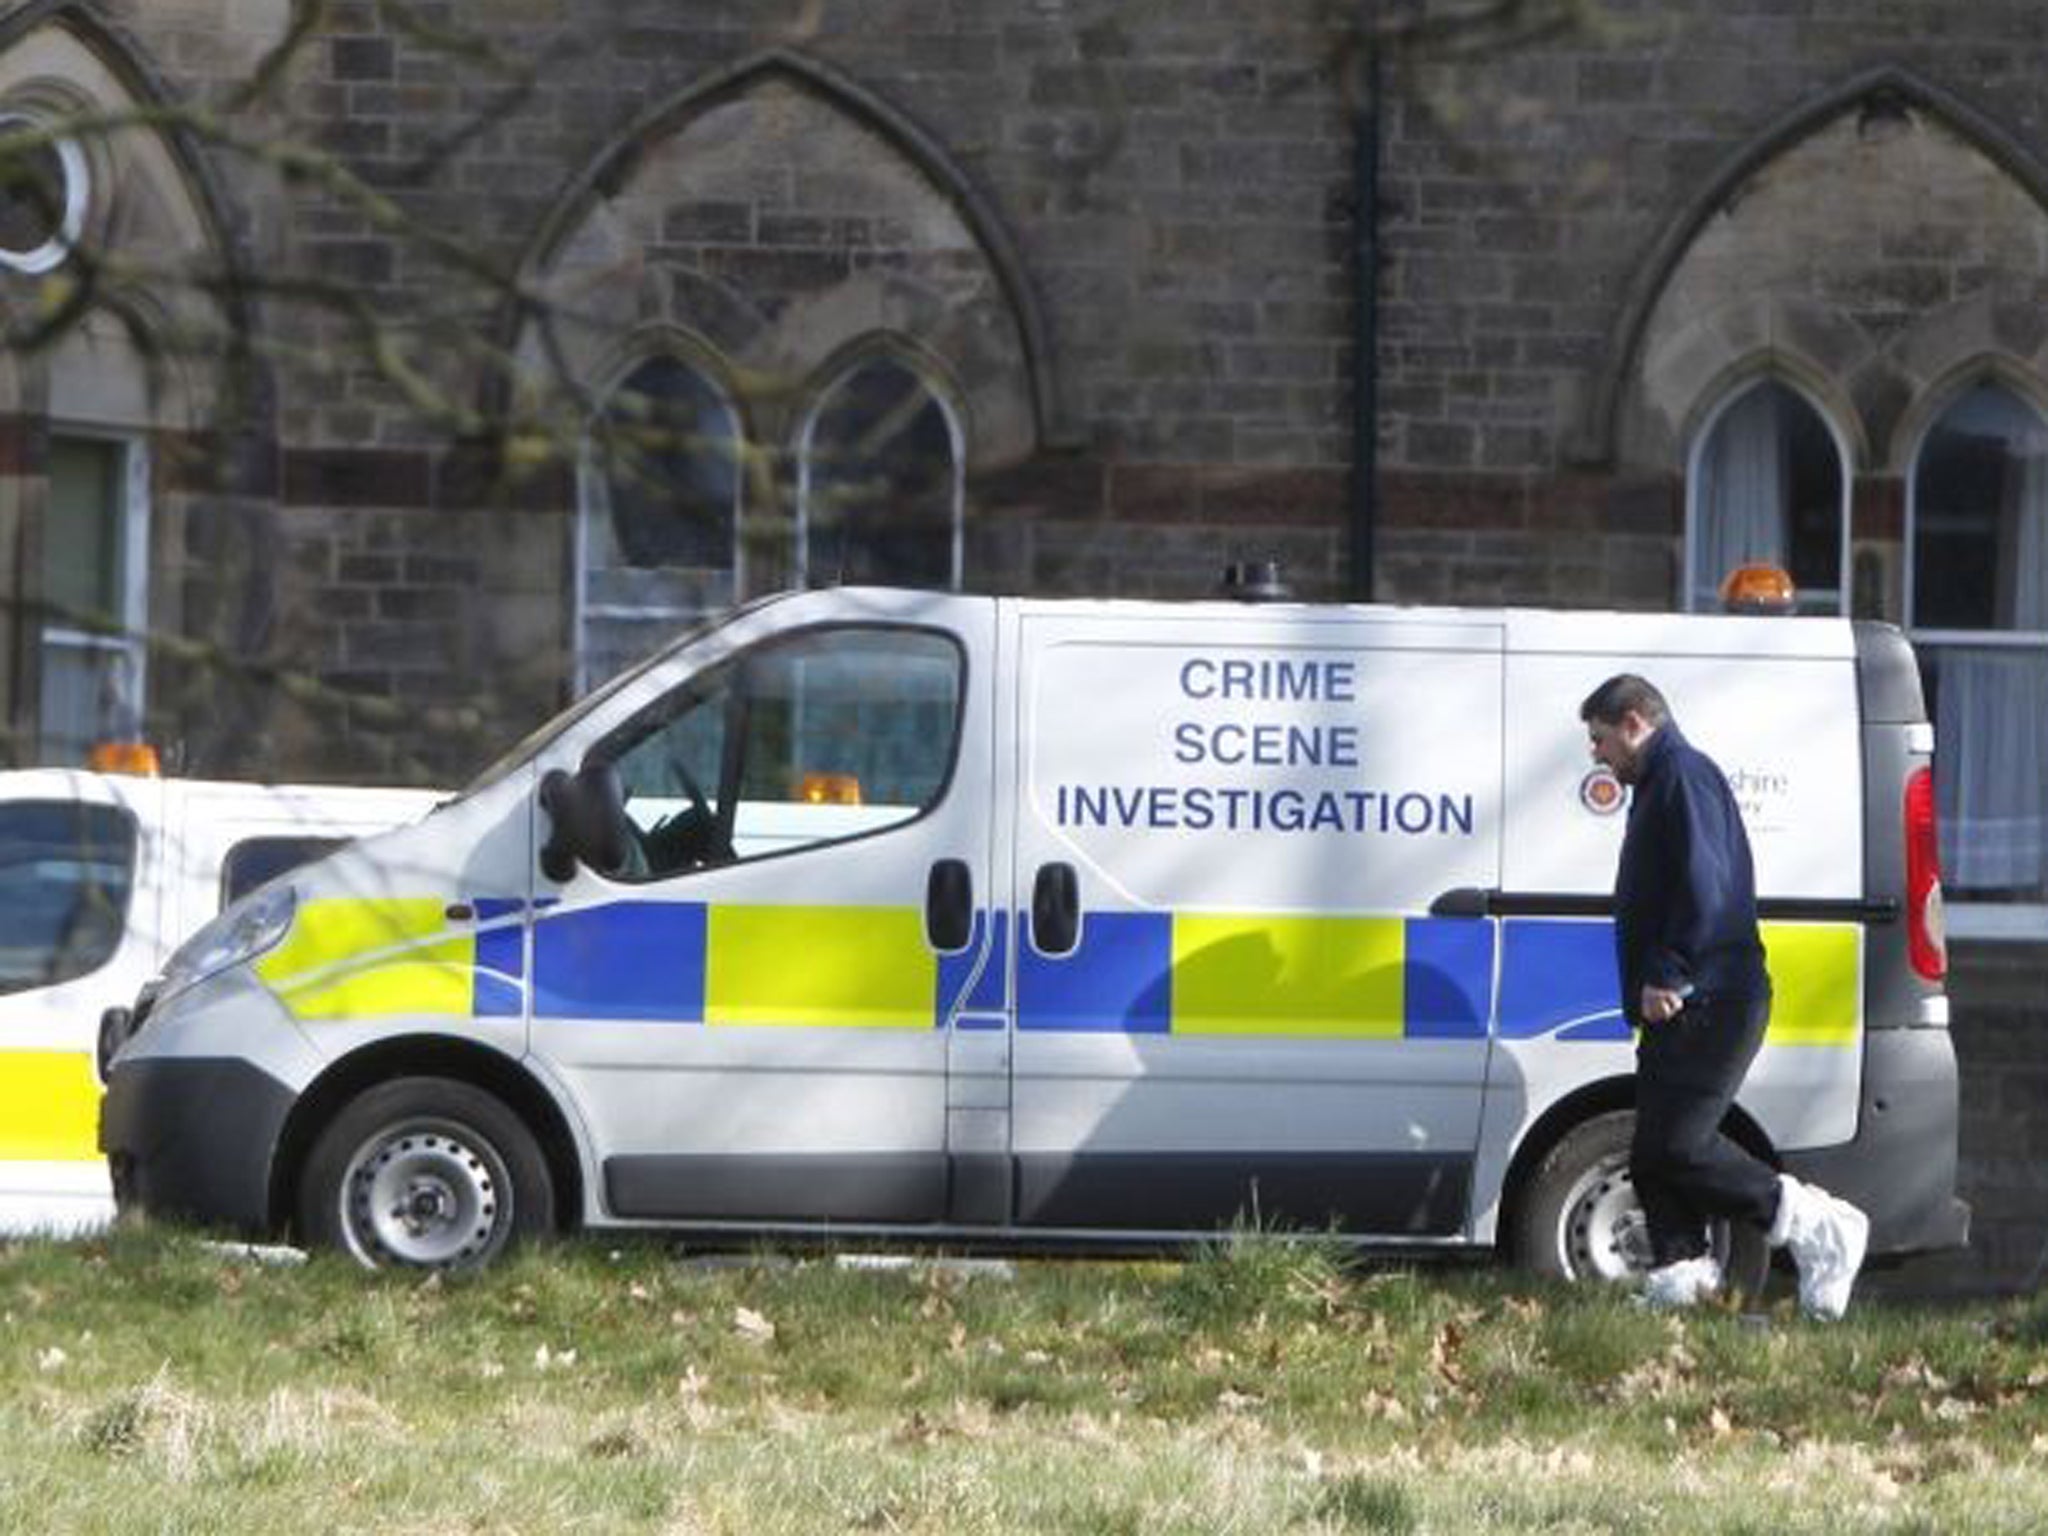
<point x="1020" y="921"/>
<point x="101" y="874"/>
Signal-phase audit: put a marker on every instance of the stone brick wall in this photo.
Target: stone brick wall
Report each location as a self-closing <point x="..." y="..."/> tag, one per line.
<point x="1176" y="182"/>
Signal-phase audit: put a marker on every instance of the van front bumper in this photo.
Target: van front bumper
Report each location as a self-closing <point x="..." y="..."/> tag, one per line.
<point x="193" y="1138"/>
<point x="1901" y="1166"/>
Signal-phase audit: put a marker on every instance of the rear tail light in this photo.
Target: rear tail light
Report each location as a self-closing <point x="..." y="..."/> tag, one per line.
<point x="1926" y="933"/>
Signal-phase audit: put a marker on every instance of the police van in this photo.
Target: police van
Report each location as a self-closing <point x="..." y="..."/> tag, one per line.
<point x="1018" y="921"/>
<point x="100" y="875"/>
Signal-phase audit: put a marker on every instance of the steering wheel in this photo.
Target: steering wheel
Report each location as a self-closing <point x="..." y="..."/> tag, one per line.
<point x="690" y="838"/>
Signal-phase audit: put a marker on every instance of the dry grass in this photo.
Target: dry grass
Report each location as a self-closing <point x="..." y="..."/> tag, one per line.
<point x="150" y="1384"/>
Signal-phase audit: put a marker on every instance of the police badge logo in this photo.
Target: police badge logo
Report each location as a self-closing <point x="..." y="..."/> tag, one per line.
<point x="1601" y="793"/>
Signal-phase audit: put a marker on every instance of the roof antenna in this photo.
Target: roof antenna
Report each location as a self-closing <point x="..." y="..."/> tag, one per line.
<point x="1254" y="581"/>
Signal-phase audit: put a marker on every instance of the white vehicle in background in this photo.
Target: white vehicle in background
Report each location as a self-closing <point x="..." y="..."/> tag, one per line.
<point x="101" y="876"/>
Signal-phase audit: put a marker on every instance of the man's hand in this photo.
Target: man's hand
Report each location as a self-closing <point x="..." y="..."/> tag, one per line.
<point x="1661" y="1003"/>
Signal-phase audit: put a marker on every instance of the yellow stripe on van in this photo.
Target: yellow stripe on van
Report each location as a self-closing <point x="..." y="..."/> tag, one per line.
<point x="1816" y="982"/>
<point x="819" y="967"/>
<point x="349" y="958"/>
<point x="49" y="1107"/>
<point x="1313" y="977"/>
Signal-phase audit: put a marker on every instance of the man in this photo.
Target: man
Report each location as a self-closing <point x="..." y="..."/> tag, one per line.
<point x="1694" y="988"/>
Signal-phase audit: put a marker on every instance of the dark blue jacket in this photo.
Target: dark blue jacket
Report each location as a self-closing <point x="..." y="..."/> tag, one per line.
<point x="1685" y="895"/>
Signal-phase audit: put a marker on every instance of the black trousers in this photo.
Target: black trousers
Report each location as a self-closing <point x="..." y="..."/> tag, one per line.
<point x="1686" y="1171"/>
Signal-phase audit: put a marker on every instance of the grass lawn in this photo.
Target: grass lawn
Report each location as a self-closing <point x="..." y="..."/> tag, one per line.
<point x="151" y="1384"/>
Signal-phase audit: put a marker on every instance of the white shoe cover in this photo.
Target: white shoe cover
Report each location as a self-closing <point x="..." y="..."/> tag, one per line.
<point x="1686" y="1283"/>
<point x="1828" y="1238"/>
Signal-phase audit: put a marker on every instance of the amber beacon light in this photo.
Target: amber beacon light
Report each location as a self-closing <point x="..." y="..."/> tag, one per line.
<point x="1758" y="588"/>
<point x="137" y="757"/>
<point x="828" y="789"/>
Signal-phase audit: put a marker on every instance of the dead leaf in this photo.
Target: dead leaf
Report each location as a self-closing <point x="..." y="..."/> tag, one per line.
<point x="1443" y="1354"/>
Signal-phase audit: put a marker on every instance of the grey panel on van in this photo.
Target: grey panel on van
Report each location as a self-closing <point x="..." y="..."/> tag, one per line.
<point x="1887" y="675"/>
<point x="870" y="1187"/>
<point x="1377" y="1193"/>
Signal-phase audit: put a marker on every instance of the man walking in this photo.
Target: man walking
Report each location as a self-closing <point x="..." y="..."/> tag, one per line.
<point x="1694" y="988"/>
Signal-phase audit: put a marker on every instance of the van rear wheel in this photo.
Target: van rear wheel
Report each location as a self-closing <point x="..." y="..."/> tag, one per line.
<point x="1579" y="1218"/>
<point x="425" y="1173"/>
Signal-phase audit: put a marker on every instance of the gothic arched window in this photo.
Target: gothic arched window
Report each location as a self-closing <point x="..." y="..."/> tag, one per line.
<point x="659" y="545"/>
<point x="1768" y="485"/>
<point x="881" y="489"/>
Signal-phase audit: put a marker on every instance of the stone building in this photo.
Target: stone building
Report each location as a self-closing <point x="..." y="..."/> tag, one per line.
<point x="370" y="393"/>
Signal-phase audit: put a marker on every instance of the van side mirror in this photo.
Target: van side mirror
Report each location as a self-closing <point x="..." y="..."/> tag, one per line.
<point x="587" y="813"/>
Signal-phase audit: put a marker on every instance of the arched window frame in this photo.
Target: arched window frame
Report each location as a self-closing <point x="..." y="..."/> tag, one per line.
<point x="1966" y="918"/>
<point x="836" y="379"/>
<point x="1697" y="596"/>
<point x="2027" y="400"/>
<point x="590" y="503"/>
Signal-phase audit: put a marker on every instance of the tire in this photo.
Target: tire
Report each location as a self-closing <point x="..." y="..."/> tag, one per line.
<point x="425" y="1173"/>
<point x="1579" y="1219"/>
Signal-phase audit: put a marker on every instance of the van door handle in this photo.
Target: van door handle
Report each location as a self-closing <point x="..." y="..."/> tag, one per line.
<point x="1464" y="901"/>
<point x="949" y="906"/>
<point x="1055" y="910"/>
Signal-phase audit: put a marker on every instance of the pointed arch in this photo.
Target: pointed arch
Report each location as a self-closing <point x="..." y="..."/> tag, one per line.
<point x="1769" y="469"/>
<point x="1887" y="88"/>
<point x="146" y="88"/>
<point x="615" y="167"/>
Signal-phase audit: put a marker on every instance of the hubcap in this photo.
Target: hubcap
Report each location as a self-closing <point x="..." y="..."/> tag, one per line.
<point x="431" y="1196"/>
<point x="1604" y="1235"/>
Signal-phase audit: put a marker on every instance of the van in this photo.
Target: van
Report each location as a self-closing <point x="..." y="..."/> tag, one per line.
<point x="100" y="876"/>
<point x="1030" y="922"/>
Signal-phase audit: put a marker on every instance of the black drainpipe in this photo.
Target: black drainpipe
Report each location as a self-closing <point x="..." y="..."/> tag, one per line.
<point x="1365" y="361"/>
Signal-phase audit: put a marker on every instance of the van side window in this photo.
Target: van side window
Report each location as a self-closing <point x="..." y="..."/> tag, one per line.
<point x="256" y="860"/>
<point x="830" y="734"/>
<point x="66" y="870"/>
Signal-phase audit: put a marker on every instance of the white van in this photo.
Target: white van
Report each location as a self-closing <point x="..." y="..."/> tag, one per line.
<point x="100" y="876"/>
<point x="1017" y="921"/>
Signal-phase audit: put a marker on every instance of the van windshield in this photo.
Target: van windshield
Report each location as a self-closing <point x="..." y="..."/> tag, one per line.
<point x="534" y="740"/>
<point x="66" y="870"/>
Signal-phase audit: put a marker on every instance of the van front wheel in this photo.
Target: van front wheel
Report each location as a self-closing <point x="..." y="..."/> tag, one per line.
<point x="1579" y="1217"/>
<point x="425" y="1173"/>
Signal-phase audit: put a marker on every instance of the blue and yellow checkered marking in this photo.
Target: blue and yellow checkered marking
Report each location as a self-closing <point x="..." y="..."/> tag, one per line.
<point x="385" y="957"/>
<point x="1559" y="979"/>
<point x="1367" y="978"/>
<point x="731" y="965"/>
<point x="1222" y="975"/>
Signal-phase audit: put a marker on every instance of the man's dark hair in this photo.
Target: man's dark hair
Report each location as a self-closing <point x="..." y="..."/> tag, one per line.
<point x="1622" y="693"/>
